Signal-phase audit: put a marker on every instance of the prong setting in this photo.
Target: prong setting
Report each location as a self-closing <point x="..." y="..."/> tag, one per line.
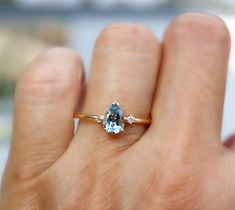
<point x="99" y="118"/>
<point x="130" y="119"/>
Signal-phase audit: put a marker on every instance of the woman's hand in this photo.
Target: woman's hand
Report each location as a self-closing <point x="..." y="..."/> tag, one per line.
<point x="178" y="163"/>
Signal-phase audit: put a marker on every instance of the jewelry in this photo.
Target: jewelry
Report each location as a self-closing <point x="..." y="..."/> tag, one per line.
<point x="114" y="120"/>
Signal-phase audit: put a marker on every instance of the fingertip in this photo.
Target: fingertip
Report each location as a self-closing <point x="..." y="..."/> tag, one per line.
<point x="200" y="30"/>
<point x="229" y="142"/>
<point x="128" y="37"/>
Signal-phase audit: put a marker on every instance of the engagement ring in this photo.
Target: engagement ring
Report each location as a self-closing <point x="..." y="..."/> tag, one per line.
<point x="114" y="120"/>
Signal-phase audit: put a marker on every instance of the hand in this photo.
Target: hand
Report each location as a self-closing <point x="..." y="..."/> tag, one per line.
<point x="177" y="163"/>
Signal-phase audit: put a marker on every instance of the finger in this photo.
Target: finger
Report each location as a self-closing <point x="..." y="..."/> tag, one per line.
<point x="230" y="143"/>
<point x="46" y="97"/>
<point x="190" y="94"/>
<point x="124" y="70"/>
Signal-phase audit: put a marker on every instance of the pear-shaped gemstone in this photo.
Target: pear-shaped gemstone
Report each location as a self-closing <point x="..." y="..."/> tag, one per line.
<point x="113" y="121"/>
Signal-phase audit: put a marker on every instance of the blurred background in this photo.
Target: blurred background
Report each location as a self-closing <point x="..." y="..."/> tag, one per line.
<point x="28" y="27"/>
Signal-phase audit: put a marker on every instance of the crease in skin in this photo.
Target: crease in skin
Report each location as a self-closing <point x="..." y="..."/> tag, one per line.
<point x="43" y="92"/>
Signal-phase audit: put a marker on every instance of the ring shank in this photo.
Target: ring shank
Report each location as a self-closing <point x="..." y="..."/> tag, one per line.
<point x="142" y="121"/>
<point x="96" y="118"/>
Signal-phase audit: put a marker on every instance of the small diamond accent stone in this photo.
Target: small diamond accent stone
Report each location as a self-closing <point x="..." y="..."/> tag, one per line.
<point x="113" y="121"/>
<point x="99" y="119"/>
<point x="130" y="119"/>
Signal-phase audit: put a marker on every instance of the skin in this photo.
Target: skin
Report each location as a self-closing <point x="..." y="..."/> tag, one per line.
<point x="177" y="163"/>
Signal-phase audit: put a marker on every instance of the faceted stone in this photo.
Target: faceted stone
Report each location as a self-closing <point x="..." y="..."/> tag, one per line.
<point x="130" y="119"/>
<point x="113" y="121"/>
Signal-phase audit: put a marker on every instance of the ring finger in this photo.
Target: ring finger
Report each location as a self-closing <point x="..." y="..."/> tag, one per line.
<point x="124" y="69"/>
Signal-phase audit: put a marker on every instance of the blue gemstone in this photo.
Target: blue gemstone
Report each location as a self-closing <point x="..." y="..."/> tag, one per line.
<point x="114" y="119"/>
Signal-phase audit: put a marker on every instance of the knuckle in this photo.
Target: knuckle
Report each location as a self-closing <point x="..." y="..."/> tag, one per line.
<point x="127" y="36"/>
<point x="206" y="29"/>
<point x="53" y="72"/>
